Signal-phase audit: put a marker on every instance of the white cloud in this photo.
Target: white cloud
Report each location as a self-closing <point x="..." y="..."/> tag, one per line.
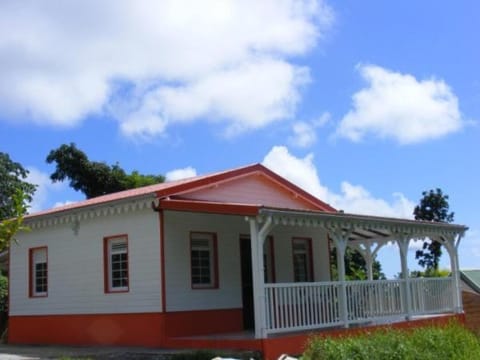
<point x="227" y="61"/>
<point x="179" y="174"/>
<point x="45" y="187"/>
<point x="301" y="172"/>
<point x="248" y="96"/>
<point x="304" y="132"/>
<point x="351" y="199"/>
<point x="400" y="107"/>
<point x="63" y="203"/>
<point x="469" y="250"/>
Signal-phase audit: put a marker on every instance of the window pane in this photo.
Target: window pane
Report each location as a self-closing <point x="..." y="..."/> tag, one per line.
<point x="202" y="255"/>
<point x="118" y="264"/>
<point x="39" y="272"/>
<point x="302" y="267"/>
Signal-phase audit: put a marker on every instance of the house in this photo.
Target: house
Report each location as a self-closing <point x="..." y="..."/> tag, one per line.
<point x="235" y="259"/>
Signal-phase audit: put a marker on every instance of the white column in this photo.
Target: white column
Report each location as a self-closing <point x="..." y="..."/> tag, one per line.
<point x="403" y="247"/>
<point x="452" y="247"/>
<point x="368" y="255"/>
<point x="340" y="241"/>
<point x="257" y="238"/>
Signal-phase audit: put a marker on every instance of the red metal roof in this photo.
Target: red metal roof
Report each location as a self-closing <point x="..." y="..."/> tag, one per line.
<point x="171" y="188"/>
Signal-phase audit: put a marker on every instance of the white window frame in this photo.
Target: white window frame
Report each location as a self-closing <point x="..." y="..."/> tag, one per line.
<point x="110" y="251"/>
<point x="38" y="256"/>
<point x="205" y="242"/>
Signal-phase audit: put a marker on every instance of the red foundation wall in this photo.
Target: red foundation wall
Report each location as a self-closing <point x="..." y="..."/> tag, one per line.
<point x="144" y="329"/>
<point x="206" y="322"/>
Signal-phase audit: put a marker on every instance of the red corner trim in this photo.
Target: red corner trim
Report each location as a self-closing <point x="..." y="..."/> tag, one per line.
<point x="162" y="260"/>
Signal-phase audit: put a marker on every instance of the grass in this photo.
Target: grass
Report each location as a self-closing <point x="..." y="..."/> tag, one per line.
<point x="452" y="342"/>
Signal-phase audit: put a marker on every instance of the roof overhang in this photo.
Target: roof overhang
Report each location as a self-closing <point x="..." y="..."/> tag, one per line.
<point x="208" y="207"/>
<point x="363" y="228"/>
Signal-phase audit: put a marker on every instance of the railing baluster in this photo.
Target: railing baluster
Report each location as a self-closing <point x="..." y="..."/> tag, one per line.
<point x="298" y="306"/>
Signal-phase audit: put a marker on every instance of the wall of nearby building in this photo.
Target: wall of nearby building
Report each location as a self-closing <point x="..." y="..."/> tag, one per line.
<point x="76" y="267"/>
<point x="471" y="307"/>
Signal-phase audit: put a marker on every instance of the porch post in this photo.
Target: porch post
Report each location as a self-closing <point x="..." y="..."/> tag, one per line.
<point x="369" y="262"/>
<point x="368" y="255"/>
<point x="403" y="247"/>
<point x="257" y="238"/>
<point x="340" y="241"/>
<point x="452" y="247"/>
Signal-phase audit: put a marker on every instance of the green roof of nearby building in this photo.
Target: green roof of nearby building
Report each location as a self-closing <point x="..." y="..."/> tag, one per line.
<point x="471" y="278"/>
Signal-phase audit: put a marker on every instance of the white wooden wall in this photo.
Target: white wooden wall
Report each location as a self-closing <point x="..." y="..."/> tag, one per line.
<point x="283" y="252"/>
<point x="76" y="272"/>
<point x="180" y="295"/>
<point x="178" y="225"/>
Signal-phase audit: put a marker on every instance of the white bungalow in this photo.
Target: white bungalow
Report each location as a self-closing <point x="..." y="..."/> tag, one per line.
<point x="237" y="259"/>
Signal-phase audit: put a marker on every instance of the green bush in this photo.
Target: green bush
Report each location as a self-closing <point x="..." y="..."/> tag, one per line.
<point x="427" y="343"/>
<point x="3" y="294"/>
<point x="3" y="306"/>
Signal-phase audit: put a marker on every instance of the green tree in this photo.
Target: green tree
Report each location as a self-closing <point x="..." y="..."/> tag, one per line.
<point x="355" y="266"/>
<point x="12" y="180"/>
<point x="94" y="178"/>
<point x="11" y="226"/>
<point x="15" y="194"/>
<point x="433" y="206"/>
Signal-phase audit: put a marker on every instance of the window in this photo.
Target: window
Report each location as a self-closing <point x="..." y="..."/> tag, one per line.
<point x="116" y="263"/>
<point x="302" y="259"/>
<point x="203" y="257"/>
<point x="38" y="272"/>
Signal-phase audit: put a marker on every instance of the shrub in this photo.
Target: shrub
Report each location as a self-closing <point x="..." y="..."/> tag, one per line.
<point x="3" y="306"/>
<point x="428" y="343"/>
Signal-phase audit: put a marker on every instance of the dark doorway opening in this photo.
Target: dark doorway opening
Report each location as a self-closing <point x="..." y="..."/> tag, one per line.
<point x="247" y="283"/>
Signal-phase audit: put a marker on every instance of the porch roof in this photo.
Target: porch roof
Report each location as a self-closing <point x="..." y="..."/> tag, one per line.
<point x="362" y="228"/>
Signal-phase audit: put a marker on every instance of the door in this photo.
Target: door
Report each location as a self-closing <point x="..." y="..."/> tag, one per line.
<point x="247" y="283"/>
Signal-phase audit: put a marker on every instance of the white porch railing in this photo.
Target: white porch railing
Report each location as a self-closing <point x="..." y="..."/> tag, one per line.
<point x="304" y="306"/>
<point x="432" y="295"/>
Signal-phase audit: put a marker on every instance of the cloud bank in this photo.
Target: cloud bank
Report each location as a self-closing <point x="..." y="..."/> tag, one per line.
<point x="150" y="64"/>
<point x="351" y="199"/>
<point x="179" y="174"/>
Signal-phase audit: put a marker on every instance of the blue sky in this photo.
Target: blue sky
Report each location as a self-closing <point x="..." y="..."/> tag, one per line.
<point x="363" y="103"/>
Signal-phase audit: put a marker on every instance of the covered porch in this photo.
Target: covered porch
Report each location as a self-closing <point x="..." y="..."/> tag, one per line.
<point x="282" y="308"/>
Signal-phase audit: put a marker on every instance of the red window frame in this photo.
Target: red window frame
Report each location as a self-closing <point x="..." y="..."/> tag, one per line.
<point x="31" y="276"/>
<point x="108" y="289"/>
<point x="214" y="284"/>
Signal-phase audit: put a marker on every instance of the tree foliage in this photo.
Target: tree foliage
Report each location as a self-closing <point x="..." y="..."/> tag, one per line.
<point x="355" y="266"/>
<point x="11" y="226"/>
<point x="15" y="194"/>
<point x="433" y="206"/>
<point x="12" y="180"/>
<point x="94" y="178"/>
